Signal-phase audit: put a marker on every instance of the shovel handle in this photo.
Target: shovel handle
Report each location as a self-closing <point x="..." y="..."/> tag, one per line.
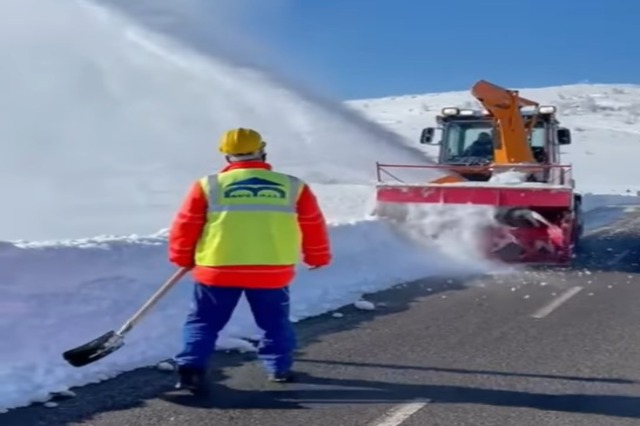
<point x="131" y="322"/>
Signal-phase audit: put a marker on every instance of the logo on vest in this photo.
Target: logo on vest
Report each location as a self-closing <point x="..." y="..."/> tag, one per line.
<point x="254" y="187"/>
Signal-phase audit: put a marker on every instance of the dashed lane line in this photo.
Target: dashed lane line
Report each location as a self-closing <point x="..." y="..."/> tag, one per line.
<point x="557" y="302"/>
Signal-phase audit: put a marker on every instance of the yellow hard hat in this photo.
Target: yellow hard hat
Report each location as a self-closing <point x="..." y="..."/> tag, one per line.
<point x="241" y="141"/>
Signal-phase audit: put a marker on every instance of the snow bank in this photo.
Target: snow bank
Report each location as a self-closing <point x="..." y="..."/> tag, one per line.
<point x="58" y="295"/>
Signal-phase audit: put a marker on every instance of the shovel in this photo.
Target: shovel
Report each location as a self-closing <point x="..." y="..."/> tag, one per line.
<point x="112" y="341"/>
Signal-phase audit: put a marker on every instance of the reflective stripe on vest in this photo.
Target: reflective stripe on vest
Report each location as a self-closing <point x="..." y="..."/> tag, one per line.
<point x="251" y="219"/>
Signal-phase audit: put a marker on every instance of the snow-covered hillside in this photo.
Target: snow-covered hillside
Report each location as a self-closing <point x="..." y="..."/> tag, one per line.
<point x="107" y="126"/>
<point x="604" y="119"/>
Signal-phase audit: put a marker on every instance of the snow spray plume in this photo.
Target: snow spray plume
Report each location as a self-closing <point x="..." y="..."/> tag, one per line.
<point x="455" y="231"/>
<point x="104" y="117"/>
<point x="223" y="29"/>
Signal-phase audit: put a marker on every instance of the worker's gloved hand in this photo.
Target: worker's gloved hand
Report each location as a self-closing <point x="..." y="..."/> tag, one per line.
<point x="316" y="265"/>
<point x="315" y="261"/>
<point x="185" y="263"/>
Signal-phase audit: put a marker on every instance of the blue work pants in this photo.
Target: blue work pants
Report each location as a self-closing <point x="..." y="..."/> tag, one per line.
<point x="212" y="308"/>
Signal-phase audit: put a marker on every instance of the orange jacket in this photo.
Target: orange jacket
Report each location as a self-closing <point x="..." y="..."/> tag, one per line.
<point x="188" y="224"/>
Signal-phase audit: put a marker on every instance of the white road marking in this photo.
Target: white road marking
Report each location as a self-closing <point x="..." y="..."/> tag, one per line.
<point x="618" y="257"/>
<point x="398" y="414"/>
<point x="557" y="302"/>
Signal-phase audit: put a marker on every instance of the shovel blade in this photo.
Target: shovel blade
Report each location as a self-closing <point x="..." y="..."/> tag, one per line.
<point x="94" y="350"/>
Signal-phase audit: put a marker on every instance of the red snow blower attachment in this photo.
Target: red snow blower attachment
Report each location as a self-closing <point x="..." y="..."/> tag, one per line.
<point x="507" y="158"/>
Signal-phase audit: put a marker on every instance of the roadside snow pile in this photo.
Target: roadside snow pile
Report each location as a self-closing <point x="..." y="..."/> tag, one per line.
<point x="78" y="290"/>
<point x="364" y="305"/>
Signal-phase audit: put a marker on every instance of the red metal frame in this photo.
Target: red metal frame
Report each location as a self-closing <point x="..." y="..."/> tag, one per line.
<point x="558" y="193"/>
<point x="531" y="240"/>
<point x="554" y="196"/>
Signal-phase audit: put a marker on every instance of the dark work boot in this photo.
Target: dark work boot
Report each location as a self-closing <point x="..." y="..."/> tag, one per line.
<point x="281" y="377"/>
<point x="191" y="379"/>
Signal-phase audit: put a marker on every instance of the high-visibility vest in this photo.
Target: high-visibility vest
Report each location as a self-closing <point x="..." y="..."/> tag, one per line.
<point x="251" y="220"/>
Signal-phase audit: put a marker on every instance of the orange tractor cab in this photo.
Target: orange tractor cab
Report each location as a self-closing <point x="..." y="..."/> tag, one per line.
<point x="507" y="157"/>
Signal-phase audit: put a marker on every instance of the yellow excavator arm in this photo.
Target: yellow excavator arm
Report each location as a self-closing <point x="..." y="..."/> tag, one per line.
<point x="512" y="146"/>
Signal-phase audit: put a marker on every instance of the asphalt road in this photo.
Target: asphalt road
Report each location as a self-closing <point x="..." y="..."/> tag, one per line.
<point x="543" y="347"/>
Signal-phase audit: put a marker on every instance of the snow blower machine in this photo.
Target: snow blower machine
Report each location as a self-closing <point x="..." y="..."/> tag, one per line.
<point x="506" y="156"/>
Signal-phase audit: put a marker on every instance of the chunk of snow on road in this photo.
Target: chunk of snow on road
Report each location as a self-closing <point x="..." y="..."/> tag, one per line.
<point x="165" y="366"/>
<point x="364" y="305"/>
<point x="337" y="315"/>
<point x="236" y="344"/>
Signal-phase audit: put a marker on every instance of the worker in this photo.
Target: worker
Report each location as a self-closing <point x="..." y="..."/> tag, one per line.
<point x="481" y="147"/>
<point x="241" y="231"/>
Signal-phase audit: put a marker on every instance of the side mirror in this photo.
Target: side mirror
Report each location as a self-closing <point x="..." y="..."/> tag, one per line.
<point x="564" y="136"/>
<point x="426" y="137"/>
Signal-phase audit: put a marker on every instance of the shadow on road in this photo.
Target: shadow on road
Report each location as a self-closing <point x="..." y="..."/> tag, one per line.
<point x="375" y="392"/>
<point x="473" y="372"/>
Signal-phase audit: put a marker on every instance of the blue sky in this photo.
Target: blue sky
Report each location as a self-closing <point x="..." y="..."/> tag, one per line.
<point x="372" y="48"/>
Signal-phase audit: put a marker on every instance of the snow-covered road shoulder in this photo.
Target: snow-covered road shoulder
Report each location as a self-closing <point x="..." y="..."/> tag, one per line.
<point x="79" y="289"/>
